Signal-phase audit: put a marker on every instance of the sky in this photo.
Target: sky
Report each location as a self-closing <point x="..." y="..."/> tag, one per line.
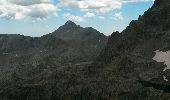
<point x="39" y="17"/>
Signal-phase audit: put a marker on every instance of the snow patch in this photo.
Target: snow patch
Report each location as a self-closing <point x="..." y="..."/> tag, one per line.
<point x="164" y="57"/>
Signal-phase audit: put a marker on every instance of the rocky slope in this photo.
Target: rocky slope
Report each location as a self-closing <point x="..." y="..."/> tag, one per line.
<point x="88" y="40"/>
<point x="127" y="58"/>
<point x="32" y="67"/>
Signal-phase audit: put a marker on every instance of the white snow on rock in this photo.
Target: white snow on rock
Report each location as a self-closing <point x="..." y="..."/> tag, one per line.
<point x="164" y="57"/>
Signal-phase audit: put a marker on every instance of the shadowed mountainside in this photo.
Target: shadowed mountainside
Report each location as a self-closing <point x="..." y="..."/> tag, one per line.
<point x="127" y="58"/>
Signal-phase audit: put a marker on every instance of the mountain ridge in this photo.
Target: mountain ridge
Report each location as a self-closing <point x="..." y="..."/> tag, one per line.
<point x="37" y="42"/>
<point x="71" y="29"/>
<point x="142" y="29"/>
<point x="128" y="56"/>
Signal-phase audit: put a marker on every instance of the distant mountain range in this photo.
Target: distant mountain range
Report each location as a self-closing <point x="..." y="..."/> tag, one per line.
<point x="57" y="66"/>
<point x="69" y="44"/>
<point x="29" y="59"/>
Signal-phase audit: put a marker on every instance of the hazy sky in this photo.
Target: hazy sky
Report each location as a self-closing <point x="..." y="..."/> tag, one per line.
<point x="39" y="17"/>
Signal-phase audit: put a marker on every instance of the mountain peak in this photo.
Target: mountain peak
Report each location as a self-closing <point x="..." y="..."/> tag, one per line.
<point x="69" y="22"/>
<point x="69" y="25"/>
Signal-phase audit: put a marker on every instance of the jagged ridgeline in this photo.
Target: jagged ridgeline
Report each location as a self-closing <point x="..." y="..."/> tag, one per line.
<point x="150" y="32"/>
<point x="126" y="64"/>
